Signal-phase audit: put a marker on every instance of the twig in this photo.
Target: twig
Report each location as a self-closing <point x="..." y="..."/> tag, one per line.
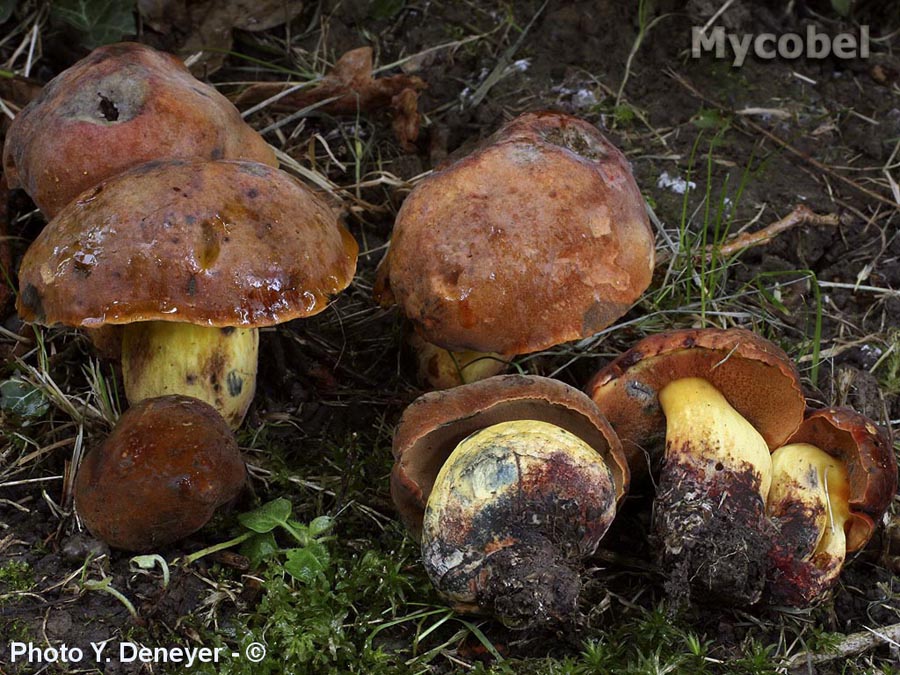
<point x="680" y="79"/>
<point x="850" y="645"/>
<point x="801" y="215"/>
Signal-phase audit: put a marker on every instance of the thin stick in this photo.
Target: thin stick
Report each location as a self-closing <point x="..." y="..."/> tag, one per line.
<point x="850" y="645"/>
<point x="801" y="215"/>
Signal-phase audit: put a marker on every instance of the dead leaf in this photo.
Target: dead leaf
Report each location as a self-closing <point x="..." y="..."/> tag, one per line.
<point x="406" y="118"/>
<point x="207" y="25"/>
<point x="354" y="89"/>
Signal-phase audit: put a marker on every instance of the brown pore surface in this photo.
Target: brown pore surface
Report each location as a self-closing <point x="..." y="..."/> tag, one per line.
<point x="434" y="424"/>
<point x="224" y="243"/>
<point x="754" y="375"/>
<point x="158" y="477"/>
<point x="122" y="105"/>
<point x="869" y="457"/>
<point x="539" y="238"/>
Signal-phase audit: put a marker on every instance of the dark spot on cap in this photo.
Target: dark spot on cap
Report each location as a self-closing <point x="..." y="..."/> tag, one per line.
<point x="640" y="391"/>
<point x="217" y="153"/>
<point x="253" y="193"/>
<point x="192" y="285"/>
<point x="630" y="359"/>
<point x="31" y="298"/>
<point x="108" y="109"/>
<point x="689" y="342"/>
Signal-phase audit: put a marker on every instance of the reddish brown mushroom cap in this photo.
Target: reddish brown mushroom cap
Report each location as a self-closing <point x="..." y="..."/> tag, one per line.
<point x="434" y="424"/>
<point x="122" y="105"/>
<point x="225" y="243"/>
<point x="871" y="464"/>
<point x="158" y="477"/>
<point x="754" y="375"/>
<point x="539" y="238"/>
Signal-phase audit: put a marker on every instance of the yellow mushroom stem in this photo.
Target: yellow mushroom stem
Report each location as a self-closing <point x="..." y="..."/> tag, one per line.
<point x="809" y="500"/>
<point x="709" y="514"/>
<point x="513" y="511"/>
<point x="216" y="365"/>
<point x="443" y="369"/>
<point x="703" y="429"/>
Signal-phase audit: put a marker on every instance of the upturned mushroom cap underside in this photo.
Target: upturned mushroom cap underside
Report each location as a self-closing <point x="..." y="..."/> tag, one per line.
<point x="754" y="375"/>
<point x="539" y="238"/>
<point x="434" y="424"/>
<point x="866" y="452"/>
<point x="122" y="105"/>
<point x="225" y="243"/>
<point x="158" y="477"/>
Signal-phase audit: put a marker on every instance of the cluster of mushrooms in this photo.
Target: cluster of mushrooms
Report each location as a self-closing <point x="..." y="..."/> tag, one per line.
<point x="173" y="237"/>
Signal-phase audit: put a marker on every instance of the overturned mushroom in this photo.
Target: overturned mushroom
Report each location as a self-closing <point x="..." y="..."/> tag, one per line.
<point x="122" y="105"/>
<point x="509" y="483"/>
<point x="192" y="257"/>
<point x="160" y="475"/>
<point x="723" y="399"/>
<point x="831" y="485"/>
<point x="539" y="238"/>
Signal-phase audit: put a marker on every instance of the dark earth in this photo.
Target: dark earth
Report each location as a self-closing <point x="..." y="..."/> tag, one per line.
<point x="756" y="141"/>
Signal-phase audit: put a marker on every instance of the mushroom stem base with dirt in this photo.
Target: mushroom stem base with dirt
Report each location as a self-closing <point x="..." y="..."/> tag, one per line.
<point x="442" y="369"/>
<point x="709" y="516"/>
<point x="809" y="502"/>
<point x="513" y="512"/>
<point x="215" y="365"/>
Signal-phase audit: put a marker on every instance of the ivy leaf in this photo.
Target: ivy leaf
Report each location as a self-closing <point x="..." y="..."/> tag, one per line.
<point x="23" y="400"/>
<point x="268" y="516"/>
<point x="307" y="563"/>
<point x="100" y="22"/>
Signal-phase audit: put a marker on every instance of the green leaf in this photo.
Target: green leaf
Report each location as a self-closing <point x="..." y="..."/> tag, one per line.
<point x="307" y="563"/>
<point x="259" y="548"/>
<point x="320" y="526"/>
<point x="100" y="22"/>
<point x="268" y="516"/>
<point x="23" y="400"/>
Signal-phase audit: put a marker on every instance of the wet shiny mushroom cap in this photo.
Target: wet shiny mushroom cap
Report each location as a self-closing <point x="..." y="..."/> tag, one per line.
<point x="158" y="477"/>
<point x="755" y="377"/>
<point x="866" y="451"/>
<point x="122" y="105"/>
<point x="434" y="424"/>
<point x="225" y="243"/>
<point x="538" y="238"/>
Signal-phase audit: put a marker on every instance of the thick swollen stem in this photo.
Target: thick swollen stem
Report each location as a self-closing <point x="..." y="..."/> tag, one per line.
<point x="216" y="365"/>
<point x="443" y="369"/>
<point x="809" y="504"/>
<point x="709" y="514"/>
<point x="513" y="512"/>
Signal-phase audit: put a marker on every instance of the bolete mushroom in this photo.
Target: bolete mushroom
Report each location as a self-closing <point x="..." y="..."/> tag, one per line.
<point x="509" y="483"/>
<point x="122" y="105"/>
<point x="192" y="257"/>
<point x="831" y="485"/>
<point x="167" y="466"/>
<point x="723" y="399"/>
<point x="538" y="238"/>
